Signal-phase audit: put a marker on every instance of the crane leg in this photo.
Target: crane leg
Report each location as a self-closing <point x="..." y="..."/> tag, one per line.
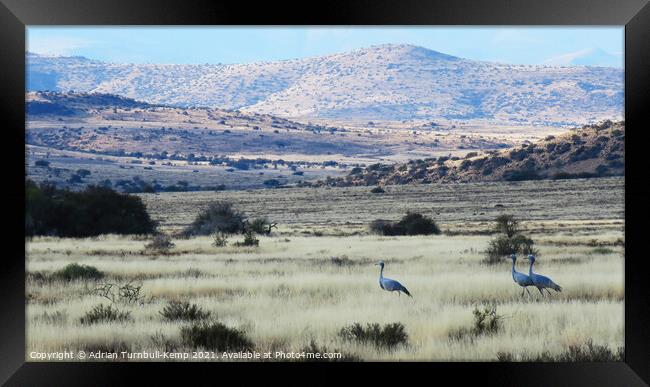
<point x="541" y="292"/>
<point x="522" y="292"/>
<point x="527" y="291"/>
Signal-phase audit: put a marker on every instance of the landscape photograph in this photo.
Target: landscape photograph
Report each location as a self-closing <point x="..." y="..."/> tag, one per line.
<point x="324" y="193"/>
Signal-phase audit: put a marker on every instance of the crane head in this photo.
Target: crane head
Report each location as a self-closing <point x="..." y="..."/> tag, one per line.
<point x="380" y="263"/>
<point x="531" y="258"/>
<point x="513" y="256"/>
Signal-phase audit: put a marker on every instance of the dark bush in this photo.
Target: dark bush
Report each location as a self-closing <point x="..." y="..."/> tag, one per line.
<point x="42" y="163"/>
<point x="260" y="225"/>
<point x="218" y="217"/>
<point x="93" y="211"/>
<point x="389" y="336"/>
<point x="215" y="336"/>
<point x="377" y="190"/>
<point x="587" y="352"/>
<point x="75" y="271"/>
<point x="176" y="310"/>
<point x="411" y="224"/>
<point x="249" y="239"/>
<point x="101" y="313"/>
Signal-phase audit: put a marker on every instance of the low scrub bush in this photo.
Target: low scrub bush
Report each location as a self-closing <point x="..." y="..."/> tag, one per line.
<point x="218" y="217"/>
<point x="215" y="336"/>
<point x="176" y="310"/>
<point x="74" y="271"/>
<point x="377" y="190"/>
<point x="586" y="352"/>
<point x="220" y="240"/>
<point x="486" y="322"/>
<point x="101" y="314"/>
<point x="161" y="243"/>
<point x="411" y="224"/>
<point x="249" y="240"/>
<point x="389" y="336"/>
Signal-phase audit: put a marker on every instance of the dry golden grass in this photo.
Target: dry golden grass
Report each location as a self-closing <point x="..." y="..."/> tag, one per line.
<point x="289" y="291"/>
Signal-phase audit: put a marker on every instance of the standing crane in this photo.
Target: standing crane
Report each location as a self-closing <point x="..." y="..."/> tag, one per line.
<point x="520" y="279"/>
<point x="540" y="281"/>
<point x="390" y="284"/>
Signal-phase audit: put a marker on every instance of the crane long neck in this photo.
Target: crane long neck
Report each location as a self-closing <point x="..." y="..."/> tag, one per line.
<point x="513" y="266"/>
<point x="381" y="272"/>
<point x="530" y="269"/>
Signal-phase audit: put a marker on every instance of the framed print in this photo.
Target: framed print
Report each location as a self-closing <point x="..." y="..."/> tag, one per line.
<point x="375" y="186"/>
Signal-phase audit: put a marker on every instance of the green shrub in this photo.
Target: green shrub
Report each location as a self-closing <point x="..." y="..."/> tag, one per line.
<point x="74" y="271"/>
<point x="101" y="313"/>
<point x="215" y="336"/>
<point x="389" y="336"/>
<point x="176" y="310"/>
<point x="411" y="224"/>
<point x="511" y="241"/>
<point x="220" y="240"/>
<point x="249" y="240"/>
<point x="486" y="322"/>
<point x="91" y="212"/>
<point x="218" y="217"/>
<point x="261" y="225"/>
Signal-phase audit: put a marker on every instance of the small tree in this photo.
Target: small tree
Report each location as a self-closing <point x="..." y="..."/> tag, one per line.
<point x="507" y="224"/>
<point x="511" y="241"/>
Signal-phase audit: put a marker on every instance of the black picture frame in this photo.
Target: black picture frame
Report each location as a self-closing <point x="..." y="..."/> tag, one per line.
<point x="633" y="14"/>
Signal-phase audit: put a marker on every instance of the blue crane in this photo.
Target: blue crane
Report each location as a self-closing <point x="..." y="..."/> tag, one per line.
<point x="390" y="284"/>
<point x="540" y="281"/>
<point x="520" y="279"/>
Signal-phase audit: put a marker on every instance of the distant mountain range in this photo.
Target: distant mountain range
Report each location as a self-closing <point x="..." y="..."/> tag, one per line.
<point x="386" y="82"/>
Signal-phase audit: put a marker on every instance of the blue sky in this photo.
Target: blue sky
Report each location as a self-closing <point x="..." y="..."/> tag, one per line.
<point x="195" y="45"/>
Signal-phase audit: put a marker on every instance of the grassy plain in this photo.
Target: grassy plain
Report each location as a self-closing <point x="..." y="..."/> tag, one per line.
<point x="290" y="290"/>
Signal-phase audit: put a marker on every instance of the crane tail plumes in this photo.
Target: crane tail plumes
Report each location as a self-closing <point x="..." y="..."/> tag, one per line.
<point x="556" y="287"/>
<point x="406" y="291"/>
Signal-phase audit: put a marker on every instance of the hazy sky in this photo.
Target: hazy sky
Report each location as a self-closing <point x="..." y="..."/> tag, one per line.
<point x="194" y="45"/>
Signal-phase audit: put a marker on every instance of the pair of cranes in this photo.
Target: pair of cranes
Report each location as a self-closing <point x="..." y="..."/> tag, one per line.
<point x="532" y="279"/>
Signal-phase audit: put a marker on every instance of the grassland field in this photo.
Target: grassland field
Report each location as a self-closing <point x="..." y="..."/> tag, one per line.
<point x="314" y="275"/>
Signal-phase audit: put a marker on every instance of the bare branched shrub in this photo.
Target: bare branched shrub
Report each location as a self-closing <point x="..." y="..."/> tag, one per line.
<point x="127" y="293"/>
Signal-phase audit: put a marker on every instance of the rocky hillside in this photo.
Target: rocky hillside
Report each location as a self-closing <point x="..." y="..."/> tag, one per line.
<point x="387" y="82"/>
<point x="590" y="151"/>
